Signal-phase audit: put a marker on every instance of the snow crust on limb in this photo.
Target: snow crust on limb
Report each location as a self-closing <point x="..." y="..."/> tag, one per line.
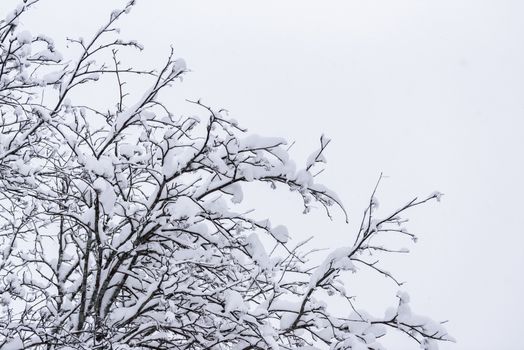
<point x="120" y="225"/>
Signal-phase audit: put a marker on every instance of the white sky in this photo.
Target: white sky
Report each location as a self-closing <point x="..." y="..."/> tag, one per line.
<point x="430" y="92"/>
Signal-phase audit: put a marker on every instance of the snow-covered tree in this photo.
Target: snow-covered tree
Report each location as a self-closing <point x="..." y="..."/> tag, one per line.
<point x="119" y="226"/>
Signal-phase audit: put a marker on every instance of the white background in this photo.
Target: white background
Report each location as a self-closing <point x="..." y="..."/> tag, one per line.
<point x="428" y="92"/>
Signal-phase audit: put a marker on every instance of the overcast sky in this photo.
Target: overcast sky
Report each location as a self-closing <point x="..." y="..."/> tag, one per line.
<point x="429" y="92"/>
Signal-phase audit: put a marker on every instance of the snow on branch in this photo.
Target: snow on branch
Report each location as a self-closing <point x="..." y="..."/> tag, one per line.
<point x="119" y="225"/>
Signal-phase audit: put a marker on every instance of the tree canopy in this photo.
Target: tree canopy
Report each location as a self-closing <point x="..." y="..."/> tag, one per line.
<point x="119" y="227"/>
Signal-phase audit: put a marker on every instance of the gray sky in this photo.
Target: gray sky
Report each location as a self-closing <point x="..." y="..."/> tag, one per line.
<point x="428" y="92"/>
